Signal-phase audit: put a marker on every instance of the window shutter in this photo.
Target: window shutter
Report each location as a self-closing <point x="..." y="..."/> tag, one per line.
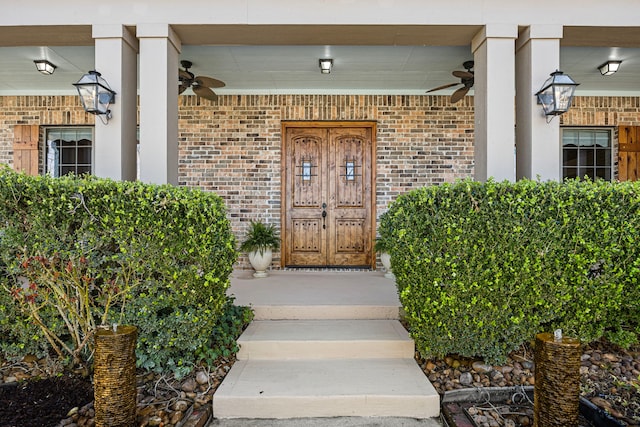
<point x="25" y="148"/>
<point x="628" y="153"/>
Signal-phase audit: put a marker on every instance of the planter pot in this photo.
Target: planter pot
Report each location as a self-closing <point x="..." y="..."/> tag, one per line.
<point x="385" y="258"/>
<point x="260" y="261"/>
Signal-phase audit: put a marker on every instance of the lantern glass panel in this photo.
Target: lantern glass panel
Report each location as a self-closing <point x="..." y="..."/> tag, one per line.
<point x="88" y="97"/>
<point x="563" y="95"/>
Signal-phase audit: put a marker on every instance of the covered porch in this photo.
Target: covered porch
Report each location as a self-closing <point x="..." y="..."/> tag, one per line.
<point x="138" y="48"/>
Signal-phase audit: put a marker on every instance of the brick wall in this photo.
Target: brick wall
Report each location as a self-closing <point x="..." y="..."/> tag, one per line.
<point x="37" y="110"/>
<point x="603" y="111"/>
<point x="233" y="146"/>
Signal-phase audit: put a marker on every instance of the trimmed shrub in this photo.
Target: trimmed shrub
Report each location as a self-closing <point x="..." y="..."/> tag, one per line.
<point x="482" y="267"/>
<point x="99" y="252"/>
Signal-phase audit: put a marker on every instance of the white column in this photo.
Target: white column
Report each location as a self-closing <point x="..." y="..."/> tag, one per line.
<point x="159" y="50"/>
<point x="538" y="150"/>
<point x="115" y="141"/>
<point x="494" y="97"/>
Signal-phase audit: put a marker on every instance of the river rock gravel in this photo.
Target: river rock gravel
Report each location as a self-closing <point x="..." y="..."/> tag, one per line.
<point x="610" y="378"/>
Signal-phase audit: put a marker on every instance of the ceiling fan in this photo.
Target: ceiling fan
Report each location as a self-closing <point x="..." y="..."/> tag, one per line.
<point x="466" y="79"/>
<point x="201" y="85"/>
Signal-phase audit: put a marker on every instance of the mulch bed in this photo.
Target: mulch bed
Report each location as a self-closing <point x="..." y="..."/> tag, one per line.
<point x="42" y="403"/>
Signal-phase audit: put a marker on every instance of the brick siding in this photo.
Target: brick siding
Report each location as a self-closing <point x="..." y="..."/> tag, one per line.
<point x="233" y="146"/>
<point x="603" y="111"/>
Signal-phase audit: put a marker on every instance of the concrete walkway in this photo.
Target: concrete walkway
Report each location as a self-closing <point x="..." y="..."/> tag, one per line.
<point x="325" y="349"/>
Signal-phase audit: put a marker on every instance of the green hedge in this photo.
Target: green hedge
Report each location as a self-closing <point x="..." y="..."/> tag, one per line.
<point x="158" y="257"/>
<point x="482" y="267"/>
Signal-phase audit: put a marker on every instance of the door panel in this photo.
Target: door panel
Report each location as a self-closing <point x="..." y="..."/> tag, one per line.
<point x="308" y="189"/>
<point x="348" y="158"/>
<point x="327" y="195"/>
<point x="350" y="181"/>
<point x="349" y="235"/>
<point x="306" y="234"/>
<point x="306" y="192"/>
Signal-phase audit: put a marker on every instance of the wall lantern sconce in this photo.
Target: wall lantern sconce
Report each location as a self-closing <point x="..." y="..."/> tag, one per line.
<point x="44" y="66"/>
<point x="95" y="94"/>
<point x="556" y="94"/>
<point x="325" y="65"/>
<point x="609" y="67"/>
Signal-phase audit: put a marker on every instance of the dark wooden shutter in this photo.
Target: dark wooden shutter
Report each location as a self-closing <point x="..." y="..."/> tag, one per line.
<point x="628" y="153"/>
<point x="25" y="148"/>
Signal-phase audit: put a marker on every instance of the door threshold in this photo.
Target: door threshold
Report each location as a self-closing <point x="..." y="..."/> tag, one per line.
<point x="326" y="268"/>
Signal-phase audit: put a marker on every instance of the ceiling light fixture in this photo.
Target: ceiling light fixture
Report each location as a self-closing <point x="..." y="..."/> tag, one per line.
<point x="44" y="66"/>
<point x="325" y="65"/>
<point x="609" y="67"/>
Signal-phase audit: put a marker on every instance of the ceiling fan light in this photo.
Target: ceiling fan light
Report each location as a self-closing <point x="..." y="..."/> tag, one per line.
<point x="609" y="67"/>
<point x="45" y="67"/>
<point x="325" y="65"/>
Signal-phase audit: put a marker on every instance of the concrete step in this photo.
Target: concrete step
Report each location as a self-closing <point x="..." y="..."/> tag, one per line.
<point x="290" y="295"/>
<point x="318" y="312"/>
<point x="326" y="388"/>
<point x="322" y="339"/>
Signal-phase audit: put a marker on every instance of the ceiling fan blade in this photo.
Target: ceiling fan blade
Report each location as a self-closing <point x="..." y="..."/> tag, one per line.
<point x="205" y="92"/>
<point x="442" y="87"/>
<point x="185" y="75"/>
<point x="463" y="74"/>
<point x="459" y="94"/>
<point x="209" y="82"/>
<point x="182" y="88"/>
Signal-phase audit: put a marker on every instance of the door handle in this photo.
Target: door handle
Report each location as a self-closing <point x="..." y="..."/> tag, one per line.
<point x="324" y="216"/>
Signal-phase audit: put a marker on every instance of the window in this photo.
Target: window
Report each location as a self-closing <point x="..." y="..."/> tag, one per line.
<point x="586" y="152"/>
<point x="69" y="151"/>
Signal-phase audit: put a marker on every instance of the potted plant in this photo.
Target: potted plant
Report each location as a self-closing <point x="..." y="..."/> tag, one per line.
<point x="383" y="246"/>
<point x="261" y="240"/>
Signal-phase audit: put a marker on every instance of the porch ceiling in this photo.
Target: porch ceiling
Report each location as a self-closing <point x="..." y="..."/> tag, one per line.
<point x="344" y="35"/>
<point x="371" y="59"/>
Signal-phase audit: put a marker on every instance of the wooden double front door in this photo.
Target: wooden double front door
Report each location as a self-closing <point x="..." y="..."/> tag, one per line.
<point x="328" y="194"/>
